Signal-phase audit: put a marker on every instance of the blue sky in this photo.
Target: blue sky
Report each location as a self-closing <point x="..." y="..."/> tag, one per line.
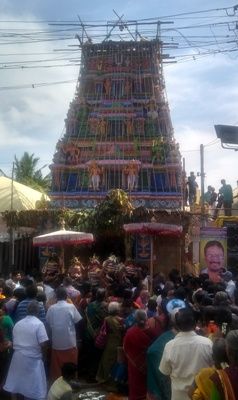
<point x="201" y="92"/>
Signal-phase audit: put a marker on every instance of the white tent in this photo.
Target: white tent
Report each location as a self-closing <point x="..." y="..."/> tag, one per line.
<point x="22" y="197"/>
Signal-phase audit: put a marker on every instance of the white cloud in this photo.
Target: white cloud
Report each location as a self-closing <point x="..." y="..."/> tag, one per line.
<point x="32" y="119"/>
<point x="202" y="94"/>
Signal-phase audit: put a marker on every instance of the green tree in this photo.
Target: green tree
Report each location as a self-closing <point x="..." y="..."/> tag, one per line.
<point x="110" y="215"/>
<point x="26" y="172"/>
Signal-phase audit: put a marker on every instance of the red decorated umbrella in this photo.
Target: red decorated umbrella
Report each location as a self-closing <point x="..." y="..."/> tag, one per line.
<point x="63" y="238"/>
<point x="153" y="229"/>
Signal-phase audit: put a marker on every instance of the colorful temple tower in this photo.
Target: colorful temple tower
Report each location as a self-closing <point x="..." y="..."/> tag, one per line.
<point x="118" y="130"/>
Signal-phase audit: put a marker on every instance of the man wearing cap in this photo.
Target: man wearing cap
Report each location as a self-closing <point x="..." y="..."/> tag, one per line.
<point x="185" y="355"/>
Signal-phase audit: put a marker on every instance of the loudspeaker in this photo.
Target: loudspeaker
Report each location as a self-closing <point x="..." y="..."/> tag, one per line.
<point x="232" y="238"/>
<point x="232" y="243"/>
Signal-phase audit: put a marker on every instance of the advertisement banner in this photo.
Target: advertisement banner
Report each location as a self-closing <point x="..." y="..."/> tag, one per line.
<point x="213" y="252"/>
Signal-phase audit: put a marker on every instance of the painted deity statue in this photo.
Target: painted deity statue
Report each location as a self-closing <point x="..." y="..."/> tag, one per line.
<point x="51" y="269"/>
<point x="174" y="155"/>
<point x="94" y="271"/>
<point x="76" y="270"/>
<point x="129" y="126"/>
<point x="127" y="88"/>
<point x="131" y="170"/>
<point x="99" y="65"/>
<point x="102" y="126"/>
<point x="93" y="125"/>
<point x="110" y="269"/>
<point x="95" y="173"/>
<point x="152" y="109"/>
<point x="107" y="87"/>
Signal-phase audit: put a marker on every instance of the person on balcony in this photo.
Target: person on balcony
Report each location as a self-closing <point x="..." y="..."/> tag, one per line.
<point x="192" y="188"/>
<point x="227" y="195"/>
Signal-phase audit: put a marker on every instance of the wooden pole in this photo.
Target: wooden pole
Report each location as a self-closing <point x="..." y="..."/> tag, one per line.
<point x="202" y="184"/>
<point x="183" y="185"/>
<point x="62" y="266"/>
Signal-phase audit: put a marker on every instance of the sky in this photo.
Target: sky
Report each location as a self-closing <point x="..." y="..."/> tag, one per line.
<point x="202" y="89"/>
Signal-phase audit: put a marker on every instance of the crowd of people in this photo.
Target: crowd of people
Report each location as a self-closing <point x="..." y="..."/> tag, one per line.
<point x="108" y="325"/>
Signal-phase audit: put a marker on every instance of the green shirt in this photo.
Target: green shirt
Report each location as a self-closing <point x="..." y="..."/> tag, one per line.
<point x="6" y="324"/>
<point x="226" y="191"/>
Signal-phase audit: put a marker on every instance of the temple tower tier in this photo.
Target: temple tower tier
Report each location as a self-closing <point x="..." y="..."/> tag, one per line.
<point x="118" y="130"/>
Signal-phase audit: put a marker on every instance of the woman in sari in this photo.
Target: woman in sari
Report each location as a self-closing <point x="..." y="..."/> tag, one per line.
<point x="95" y="313"/>
<point x="136" y="343"/>
<point x="225" y="382"/>
<point x="114" y="328"/>
<point x="6" y="327"/>
<point x="203" y="384"/>
<point x="157" y="323"/>
<point x="158" y="384"/>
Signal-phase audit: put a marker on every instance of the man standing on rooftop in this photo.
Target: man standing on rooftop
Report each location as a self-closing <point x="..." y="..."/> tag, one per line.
<point x="226" y="192"/>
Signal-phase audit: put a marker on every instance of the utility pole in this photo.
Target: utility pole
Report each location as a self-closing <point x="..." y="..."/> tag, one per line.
<point x="202" y="176"/>
<point x="183" y="185"/>
<point x="12" y="231"/>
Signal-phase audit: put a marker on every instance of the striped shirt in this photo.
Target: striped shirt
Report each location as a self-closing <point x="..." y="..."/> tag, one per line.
<point x="21" y="311"/>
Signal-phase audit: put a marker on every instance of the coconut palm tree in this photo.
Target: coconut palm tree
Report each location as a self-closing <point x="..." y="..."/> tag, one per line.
<point x="26" y="172"/>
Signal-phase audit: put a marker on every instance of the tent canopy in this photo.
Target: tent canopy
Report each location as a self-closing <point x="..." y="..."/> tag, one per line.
<point x="24" y="197"/>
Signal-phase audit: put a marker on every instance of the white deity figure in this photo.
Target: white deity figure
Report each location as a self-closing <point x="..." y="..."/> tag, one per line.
<point x="131" y="170"/>
<point x="95" y="175"/>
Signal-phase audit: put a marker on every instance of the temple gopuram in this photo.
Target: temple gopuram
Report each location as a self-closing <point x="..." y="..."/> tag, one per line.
<point x="118" y="130"/>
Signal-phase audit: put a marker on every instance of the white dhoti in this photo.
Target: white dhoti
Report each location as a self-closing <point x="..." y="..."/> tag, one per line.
<point x="95" y="181"/>
<point x="26" y="376"/>
<point x="131" y="181"/>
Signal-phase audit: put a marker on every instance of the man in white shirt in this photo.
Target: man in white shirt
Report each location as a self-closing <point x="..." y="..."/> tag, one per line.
<point x="61" y="319"/>
<point x="26" y="374"/>
<point x="185" y="355"/>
